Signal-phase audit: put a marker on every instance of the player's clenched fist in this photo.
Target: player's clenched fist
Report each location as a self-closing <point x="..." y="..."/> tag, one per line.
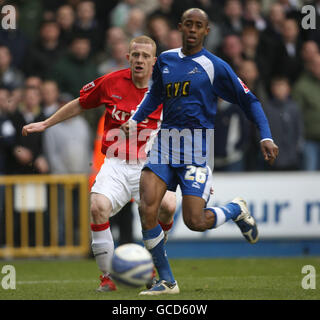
<point x="33" y="127"/>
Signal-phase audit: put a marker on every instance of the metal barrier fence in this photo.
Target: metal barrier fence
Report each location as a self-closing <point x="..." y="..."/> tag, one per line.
<point x="44" y="215"/>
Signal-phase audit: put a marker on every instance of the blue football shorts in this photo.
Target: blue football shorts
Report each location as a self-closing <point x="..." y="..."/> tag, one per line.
<point x="193" y="180"/>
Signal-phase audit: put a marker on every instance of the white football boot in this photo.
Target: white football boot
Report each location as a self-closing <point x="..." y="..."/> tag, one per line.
<point x="161" y="287"/>
<point x="246" y="222"/>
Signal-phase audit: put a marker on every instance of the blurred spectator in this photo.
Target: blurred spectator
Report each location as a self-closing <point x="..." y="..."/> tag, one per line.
<point x="45" y="52"/>
<point x="165" y="9"/>
<point x="31" y="10"/>
<point x="33" y="82"/>
<point x="75" y="68"/>
<point x="14" y="100"/>
<point x="249" y="73"/>
<point x="16" y="41"/>
<point x="254" y="48"/>
<point x="233" y="21"/>
<point x="10" y="77"/>
<point x="286" y="125"/>
<point x="87" y="25"/>
<point x="66" y="18"/>
<point x="50" y="98"/>
<point x="113" y="36"/>
<point x="309" y="50"/>
<point x="74" y="154"/>
<point x="231" y="51"/>
<point x="120" y="13"/>
<point x="7" y="134"/>
<point x="158" y="29"/>
<point x="117" y="60"/>
<point x="135" y="24"/>
<point x="288" y="54"/>
<point x="174" y="39"/>
<point x="253" y="14"/>
<point x="231" y="136"/>
<point x="276" y="18"/>
<point x="306" y="93"/>
<point x="27" y="154"/>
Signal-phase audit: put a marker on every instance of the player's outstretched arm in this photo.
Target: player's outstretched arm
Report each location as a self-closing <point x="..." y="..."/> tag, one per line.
<point x="269" y="150"/>
<point x="69" y="110"/>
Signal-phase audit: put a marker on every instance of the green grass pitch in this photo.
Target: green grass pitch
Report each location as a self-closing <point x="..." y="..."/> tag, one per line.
<point x="199" y="279"/>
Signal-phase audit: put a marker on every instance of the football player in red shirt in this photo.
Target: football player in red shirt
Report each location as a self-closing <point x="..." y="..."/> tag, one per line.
<point x="118" y="179"/>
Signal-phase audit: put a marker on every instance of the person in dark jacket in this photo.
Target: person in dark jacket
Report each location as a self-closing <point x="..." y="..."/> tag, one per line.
<point x="286" y="123"/>
<point x="27" y="157"/>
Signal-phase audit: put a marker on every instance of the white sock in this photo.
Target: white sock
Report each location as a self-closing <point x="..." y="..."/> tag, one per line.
<point x="220" y="217"/>
<point x="102" y="247"/>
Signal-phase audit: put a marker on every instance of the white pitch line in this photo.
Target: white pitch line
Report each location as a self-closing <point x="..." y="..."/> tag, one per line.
<point x="53" y="281"/>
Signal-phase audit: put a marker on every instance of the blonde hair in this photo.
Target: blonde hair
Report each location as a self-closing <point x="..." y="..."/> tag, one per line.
<point x="145" y="40"/>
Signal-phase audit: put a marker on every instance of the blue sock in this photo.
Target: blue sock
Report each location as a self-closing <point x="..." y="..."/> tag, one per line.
<point x="225" y="213"/>
<point x="153" y="240"/>
<point x="231" y="210"/>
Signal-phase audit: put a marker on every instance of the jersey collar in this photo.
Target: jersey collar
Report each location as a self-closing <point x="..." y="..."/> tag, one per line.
<point x="182" y="55"/>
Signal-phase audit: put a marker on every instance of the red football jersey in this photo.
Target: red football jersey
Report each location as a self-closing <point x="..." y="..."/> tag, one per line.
<point x="121" y="98"/>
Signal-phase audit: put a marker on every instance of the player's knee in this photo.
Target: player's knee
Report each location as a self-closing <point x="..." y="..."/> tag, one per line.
<point x="192" y="222"/>
<point x="98" y="211"/>
<point x="167" y="209"/>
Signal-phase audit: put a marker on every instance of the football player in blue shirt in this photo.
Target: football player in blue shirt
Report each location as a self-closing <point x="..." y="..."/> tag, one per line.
<point x="188" y="81"/>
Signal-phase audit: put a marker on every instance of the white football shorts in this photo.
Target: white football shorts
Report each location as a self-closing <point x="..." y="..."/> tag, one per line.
<point x="119" y="182"/>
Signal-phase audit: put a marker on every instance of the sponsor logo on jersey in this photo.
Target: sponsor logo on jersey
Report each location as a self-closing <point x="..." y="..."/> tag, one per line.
<point x="194" y="70"/>
<point x="245" y="88"/>
<point x="88" y="86"/>
<point x="177" y="89"/>
<point x="121" y="115"/>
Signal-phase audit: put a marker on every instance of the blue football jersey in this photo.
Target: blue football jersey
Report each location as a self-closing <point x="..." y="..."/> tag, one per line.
<point x="189" y="86"/>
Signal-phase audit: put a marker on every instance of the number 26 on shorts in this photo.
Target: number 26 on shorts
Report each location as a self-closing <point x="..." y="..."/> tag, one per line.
<point x="199" y="174"/>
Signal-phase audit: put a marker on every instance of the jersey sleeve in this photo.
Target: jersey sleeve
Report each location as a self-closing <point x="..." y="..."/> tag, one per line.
<point x="93" y="94"/>
<point x="231" y="88"/>
<point x="153" y="98"/>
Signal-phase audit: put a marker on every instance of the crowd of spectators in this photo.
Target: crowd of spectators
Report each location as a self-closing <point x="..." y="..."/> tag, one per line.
<point x="60" y="45"/>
